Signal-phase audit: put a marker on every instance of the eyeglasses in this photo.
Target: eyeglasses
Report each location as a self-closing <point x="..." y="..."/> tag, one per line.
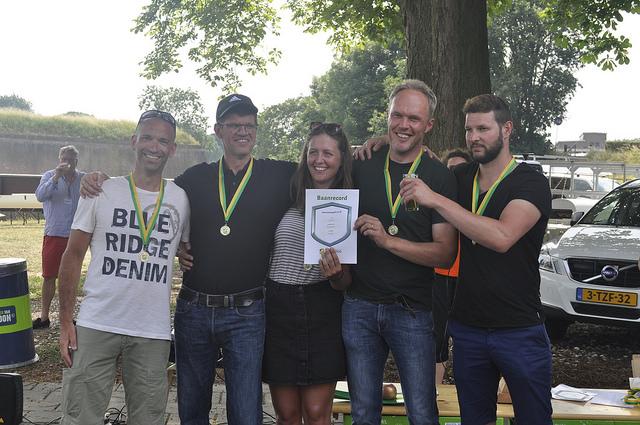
<point x="331" y="128"/>
<point x="154" y="113"/>
<point x="236" y="127"/>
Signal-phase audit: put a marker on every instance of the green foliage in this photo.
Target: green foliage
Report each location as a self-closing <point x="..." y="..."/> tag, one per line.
<point x="15" y="102"/>
<point x="589" y="27"/>
<point x="214" y="147"/>
<point x="352" y="23"/>
<point x="76" y="114"/>
<point x="225" y="36"/>
<point x="622" y="145"/>
<point x="185" y="106"/>
<point x="15" y="122"/>
<point x="353" y="93"/>
<point x="222" y="36"/>
<point x="531" y="72"/>
<point x="284" y="128"/>
<point x="354" y="88"/>
<point x="628" y="156"/>
<point x="378" y="119"/>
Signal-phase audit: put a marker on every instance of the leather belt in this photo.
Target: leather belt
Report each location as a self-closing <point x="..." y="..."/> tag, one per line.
<point x="240" y="299"/>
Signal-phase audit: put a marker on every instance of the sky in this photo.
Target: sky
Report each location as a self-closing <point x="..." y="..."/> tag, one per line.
<point x="80" y="55"/>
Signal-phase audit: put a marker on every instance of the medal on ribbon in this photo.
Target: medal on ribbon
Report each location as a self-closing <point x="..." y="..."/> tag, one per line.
<point x="225" y="230"/>
<point x="475" y="192"/>
<point x="145" y="229"/>
<point x="395" y="205"/>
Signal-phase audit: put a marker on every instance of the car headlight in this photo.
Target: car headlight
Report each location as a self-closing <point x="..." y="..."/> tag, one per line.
<point x="546" y="262"/>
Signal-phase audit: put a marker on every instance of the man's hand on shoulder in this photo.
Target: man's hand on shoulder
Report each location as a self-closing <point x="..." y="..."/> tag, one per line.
<point x="374" y="144"/>
<point x="91" y="184"/>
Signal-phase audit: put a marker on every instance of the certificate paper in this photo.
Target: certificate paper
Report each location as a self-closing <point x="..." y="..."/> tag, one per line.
<point x="328" y="223"/>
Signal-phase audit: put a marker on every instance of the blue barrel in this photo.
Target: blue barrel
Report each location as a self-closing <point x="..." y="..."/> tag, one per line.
<point x="16" y="333"/>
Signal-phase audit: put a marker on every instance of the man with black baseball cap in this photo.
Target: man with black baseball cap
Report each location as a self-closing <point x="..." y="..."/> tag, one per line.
<point x="237" y="203"/>
<point x="237" y="103"/>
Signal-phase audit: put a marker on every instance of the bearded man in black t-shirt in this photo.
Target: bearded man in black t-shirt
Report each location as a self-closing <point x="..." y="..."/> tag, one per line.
<point x="496" y="323"/>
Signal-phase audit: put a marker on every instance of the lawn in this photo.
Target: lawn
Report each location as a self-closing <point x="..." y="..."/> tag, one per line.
<point x="25" y="241"/>
<point x="19" y="240"/>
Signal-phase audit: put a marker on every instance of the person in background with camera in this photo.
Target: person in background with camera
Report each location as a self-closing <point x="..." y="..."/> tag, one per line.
<point x="59" y="192"/>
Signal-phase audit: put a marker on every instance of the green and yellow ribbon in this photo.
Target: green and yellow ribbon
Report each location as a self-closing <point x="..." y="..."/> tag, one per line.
<point x="633" y="396"/>
<point x="394" y="205"/>
<point x="228" y="210"/>
<point x="475" y="193"/>
<point x="145" y="228"/>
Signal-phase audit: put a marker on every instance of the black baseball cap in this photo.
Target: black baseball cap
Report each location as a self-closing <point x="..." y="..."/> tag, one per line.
<point x="235" y="103"/>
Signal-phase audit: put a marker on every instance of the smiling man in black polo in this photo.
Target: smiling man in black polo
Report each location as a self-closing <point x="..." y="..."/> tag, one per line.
<point x="236" y="205"/>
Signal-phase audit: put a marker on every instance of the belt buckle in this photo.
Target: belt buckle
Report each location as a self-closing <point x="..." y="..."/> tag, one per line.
<point x="210" y="300"/>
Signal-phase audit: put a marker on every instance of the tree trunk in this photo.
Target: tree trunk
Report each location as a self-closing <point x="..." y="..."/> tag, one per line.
<point x="447" y="48"/>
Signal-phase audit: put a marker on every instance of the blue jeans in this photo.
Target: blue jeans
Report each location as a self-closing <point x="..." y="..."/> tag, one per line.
<point x="369" y="330"/>
<point x="200" y="332"/>
<point x="522" y="355"/>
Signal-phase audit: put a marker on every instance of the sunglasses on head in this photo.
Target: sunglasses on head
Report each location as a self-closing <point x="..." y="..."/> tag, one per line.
<point x="154" y="113"/>
<point x="331" y="128"/>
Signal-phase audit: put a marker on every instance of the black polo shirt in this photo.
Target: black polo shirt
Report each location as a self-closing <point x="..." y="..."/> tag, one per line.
<point x="239" y="261"/>
<point x="381" y="276"/>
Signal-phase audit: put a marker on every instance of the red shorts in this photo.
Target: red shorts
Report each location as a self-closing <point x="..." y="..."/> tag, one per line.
<point x="52" y="249"/>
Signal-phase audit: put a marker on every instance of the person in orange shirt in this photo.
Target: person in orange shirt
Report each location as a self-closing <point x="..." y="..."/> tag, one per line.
<point x="444" y="287"/>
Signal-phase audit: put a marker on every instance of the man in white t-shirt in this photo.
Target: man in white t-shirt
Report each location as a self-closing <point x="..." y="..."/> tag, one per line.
<point x="133" y="228"/>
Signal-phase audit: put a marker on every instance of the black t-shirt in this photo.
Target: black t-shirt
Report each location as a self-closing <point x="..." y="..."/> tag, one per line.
<point x="502" y="290"/>
<point x="381" y="276"/>
<point x="239" y="261"/>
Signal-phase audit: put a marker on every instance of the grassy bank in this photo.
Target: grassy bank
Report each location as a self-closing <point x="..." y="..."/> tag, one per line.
<point x="20" y="123"/>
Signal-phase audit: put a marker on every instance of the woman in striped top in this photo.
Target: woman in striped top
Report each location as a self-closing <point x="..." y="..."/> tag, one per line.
<point x="304" y="354"/>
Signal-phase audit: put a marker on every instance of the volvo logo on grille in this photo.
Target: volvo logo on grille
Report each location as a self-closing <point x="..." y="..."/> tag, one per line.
<point x="609" y="273"/>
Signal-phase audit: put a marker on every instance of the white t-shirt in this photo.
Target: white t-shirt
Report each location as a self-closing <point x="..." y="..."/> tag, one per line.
<point x="122" y="293"/>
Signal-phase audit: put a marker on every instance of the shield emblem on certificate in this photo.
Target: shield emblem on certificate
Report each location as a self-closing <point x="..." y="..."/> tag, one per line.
<point x="330" y="223"/>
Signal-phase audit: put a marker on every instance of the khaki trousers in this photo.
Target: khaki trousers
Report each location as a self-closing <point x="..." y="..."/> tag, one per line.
<point x="87" y="385"/>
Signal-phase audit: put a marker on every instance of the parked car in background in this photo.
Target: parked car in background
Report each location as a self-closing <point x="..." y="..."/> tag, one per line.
<point x="583" y="186"/>
<point x="591" y="274"/>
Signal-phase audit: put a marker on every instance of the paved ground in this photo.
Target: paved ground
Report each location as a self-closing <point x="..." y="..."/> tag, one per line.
<point x="42" y="404"/>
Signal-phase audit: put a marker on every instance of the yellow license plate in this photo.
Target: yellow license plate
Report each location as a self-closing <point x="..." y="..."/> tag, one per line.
<point x="628" y="299"/>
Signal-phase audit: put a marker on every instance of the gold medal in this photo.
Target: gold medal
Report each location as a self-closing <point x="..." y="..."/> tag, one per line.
<point x="145" y="228"/>
<point x="308" y="267"/>
<point x="394" y="205"/>
<point x="144" y="256"/>
<point x="227" y="210"/>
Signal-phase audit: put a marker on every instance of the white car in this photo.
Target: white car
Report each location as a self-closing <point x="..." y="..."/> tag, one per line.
<point x="583" y="186"/>
<point x="591" y="274"/>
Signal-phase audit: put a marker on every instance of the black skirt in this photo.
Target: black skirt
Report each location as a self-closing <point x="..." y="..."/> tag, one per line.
<point x="303" y="342"/>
